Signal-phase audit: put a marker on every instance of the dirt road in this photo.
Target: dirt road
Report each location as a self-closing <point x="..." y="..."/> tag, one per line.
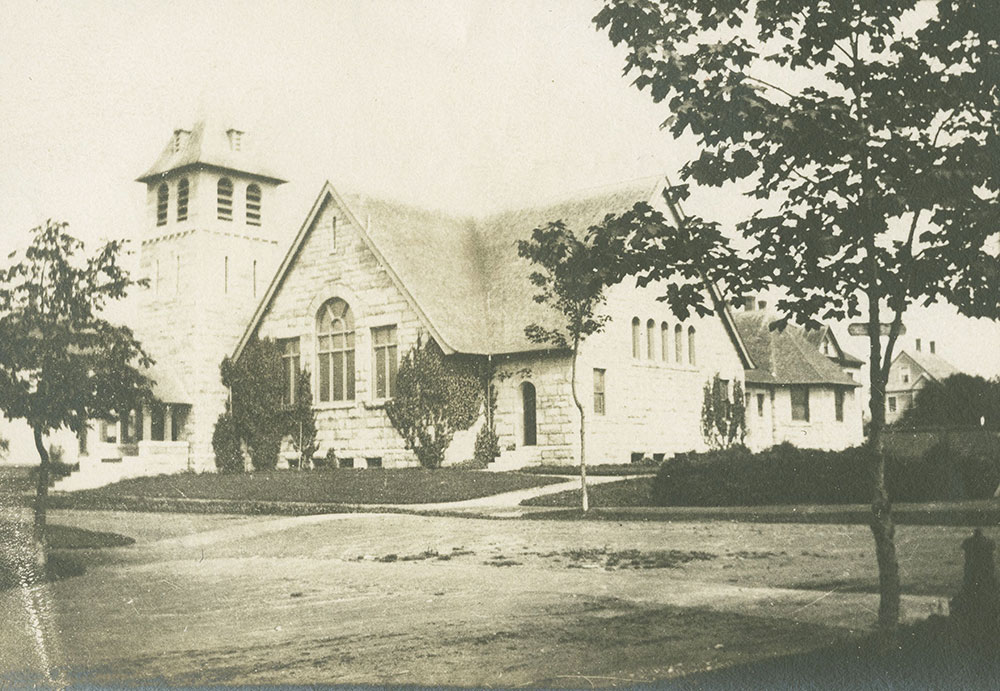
<point x="392" y="599"/>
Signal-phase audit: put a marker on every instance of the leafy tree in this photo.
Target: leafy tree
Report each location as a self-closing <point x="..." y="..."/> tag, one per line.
<point x="572" y="276"/>
<point x="869" y="133"/>
<point x="61" y="362"/>
<point x="435" y="397"/>
<point x="255" y="385"/>
<point x="723" y="419"/>
<point x="226" y="444"/>
<point x="300" y="420"/>
<point x="961" y="400"/>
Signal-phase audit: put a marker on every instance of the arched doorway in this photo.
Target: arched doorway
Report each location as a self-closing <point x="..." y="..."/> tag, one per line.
<point x="528" y="406"/>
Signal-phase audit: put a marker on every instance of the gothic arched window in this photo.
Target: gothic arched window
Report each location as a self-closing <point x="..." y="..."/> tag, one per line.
<point x="335" y="350"/>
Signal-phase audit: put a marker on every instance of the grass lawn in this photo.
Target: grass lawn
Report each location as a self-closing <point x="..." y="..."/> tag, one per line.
<point x="631" y="492"/>
<point x="17" y="558"/>
<point x="336" y="486"/>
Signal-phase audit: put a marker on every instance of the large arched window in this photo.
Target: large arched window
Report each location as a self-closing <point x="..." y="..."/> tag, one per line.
<point x="650" y="340"/>
<point x="253" y="205"/>
<point x="678" y="344"/>
<point x="335" y="348"/>
<point x="183" y="191"/>
<point x="691" y="359"/>
<point x="162" y="203"/>
<point x="225" y="206"/>
<point x="664" y="342"/>
<point x="636" y="338"/>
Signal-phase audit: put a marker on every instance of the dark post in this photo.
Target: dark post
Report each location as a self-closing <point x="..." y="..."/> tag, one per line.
<point x="976" y="609"/>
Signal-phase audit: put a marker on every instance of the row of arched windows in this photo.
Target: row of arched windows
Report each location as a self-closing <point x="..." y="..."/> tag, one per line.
<point x="224" y="206"/>
<point x="659" y="342"/>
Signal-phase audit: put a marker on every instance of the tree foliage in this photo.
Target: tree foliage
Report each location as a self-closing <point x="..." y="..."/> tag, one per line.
<point x="226" y="444"/>
<point x="573" y="272"/>
<point x="300" y="420"/>
<point x="258" y="416"/>
<point x="435" y="397"/>
<point x="868" y="133"/>
<point x="961" y="400"/>
<point x="723" y="417"/>
<point x="61" y="362"/>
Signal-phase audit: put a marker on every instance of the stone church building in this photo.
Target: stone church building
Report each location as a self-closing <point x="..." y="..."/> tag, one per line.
<point x="363" y="279"/>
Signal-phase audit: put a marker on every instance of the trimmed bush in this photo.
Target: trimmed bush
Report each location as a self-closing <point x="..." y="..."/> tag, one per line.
<point x="785" y="474"/>
<point x="226" y="444"/>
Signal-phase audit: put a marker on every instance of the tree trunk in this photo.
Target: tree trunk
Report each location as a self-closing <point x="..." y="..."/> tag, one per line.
<point x="42" y="487"/>
<point x="883" y="529"/>
<point x="583" y="437"/>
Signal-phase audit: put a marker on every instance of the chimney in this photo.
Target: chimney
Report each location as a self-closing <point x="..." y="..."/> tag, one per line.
<point x="235" y="139"/>
<point x="180" y="139"/>
<point x="918" y="345"/>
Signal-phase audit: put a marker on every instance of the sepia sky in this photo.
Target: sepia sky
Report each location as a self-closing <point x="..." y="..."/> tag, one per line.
<point x="462" y="106"/>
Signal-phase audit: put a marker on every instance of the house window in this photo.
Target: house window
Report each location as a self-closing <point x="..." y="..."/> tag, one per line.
<point x="253" y="205"/>
<point x="599" y="391"/>
<point x="225" y="197"/>
<point x="838" y="399"/>
<point x="664" y="342"/>
<point x="800" y="403"/>
<point x="289" y="348"/>
<point x="904" y="375"/>
<point x="760" y="405"/>
<point x="157" y="422"/>
<point x="109" y="431"/>
<point x="162" y="203"/>
<point x="650" y="340"/>
<point x="183" y="191"/>
<point x="691" y="351"/>
<point x="678" y="344"/>
<point x="918" y="345"/>
<point x="762" y="304"/>
<point x="892" y="404"/>
<point x="254" y="278"/>
<point x="636" y="339"/>
<point x="225" y="275"/>
<point x="932" y="347"/>
<point x="333" y="234"/>
<point x="335" y="338"/>
<point x="385" y="361"/>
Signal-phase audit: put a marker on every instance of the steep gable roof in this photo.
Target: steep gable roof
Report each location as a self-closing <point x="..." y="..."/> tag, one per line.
<point x="785" y="357"/>
<point x="464" y="276"/>
<point x="934" y="365"/>
<point x="207" y="144"/>
<point x="816" y="336"/>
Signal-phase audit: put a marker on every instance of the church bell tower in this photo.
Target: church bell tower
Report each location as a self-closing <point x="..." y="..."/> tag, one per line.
<point x="209" y="247"/>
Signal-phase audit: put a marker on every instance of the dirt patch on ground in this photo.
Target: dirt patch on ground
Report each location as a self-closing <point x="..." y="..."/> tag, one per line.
<point x="202" y="600"/>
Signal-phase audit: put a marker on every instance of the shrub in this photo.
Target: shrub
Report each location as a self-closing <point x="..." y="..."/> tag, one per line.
<point x="487" y="447"/>
<point x="226" y="444"/>
<point x="435" y="397"/>
<point x="781" y="475"/>
<point x="785" y="474"/>
<point x="255" y="383"/>
<point x="327" y="461"/>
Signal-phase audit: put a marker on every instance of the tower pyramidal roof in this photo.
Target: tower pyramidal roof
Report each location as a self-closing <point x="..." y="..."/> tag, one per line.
<point x="210" y="145"/>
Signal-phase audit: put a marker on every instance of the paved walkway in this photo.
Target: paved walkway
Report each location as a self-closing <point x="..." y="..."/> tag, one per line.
<point x="509" y="500"/>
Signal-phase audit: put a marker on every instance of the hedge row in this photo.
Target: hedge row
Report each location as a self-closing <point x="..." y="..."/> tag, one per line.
<point x="788" y="475"/>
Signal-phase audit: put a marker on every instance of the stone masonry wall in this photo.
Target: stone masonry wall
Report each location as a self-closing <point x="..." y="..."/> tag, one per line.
<point x="322" y="270"/>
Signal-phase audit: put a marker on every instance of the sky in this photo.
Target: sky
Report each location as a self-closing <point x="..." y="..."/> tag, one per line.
<point x="466" y="107"/>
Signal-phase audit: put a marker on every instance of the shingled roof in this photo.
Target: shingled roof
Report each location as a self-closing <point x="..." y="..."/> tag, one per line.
<point x="208" y="144"/>
<point x="934" y="365"/>
<point x="464" y="275"/>
<point x="785" y="357"/>
<point x="815" y="338"/>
